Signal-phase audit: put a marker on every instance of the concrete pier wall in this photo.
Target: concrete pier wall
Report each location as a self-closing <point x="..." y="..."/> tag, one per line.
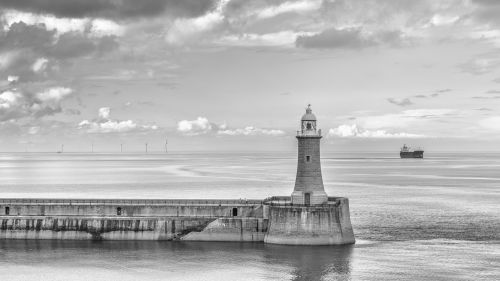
<point x="326" y="224"/>
<point x="128" y="228"/>
<point x="274" y="220"/>
<point x="202" y="220"/>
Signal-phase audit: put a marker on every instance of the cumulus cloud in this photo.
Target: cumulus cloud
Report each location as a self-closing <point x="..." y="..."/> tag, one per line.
<point x="400" y="102"/>
<point x="104" y="112"/>
<point x="251" y="131"/>
<point x="104" y="124"/>
<point x="353" y="130"/>
<point x="55" y="94"/>
<point x="15" y="104"/>
<point x="201" y="126"/>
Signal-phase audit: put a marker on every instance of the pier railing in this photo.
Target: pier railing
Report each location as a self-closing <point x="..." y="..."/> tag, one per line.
<point x="55" y="201"/>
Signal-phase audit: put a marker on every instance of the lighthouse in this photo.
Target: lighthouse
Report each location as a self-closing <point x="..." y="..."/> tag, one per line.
<point x="309" y="189"/>
<point x="308" y="216"/>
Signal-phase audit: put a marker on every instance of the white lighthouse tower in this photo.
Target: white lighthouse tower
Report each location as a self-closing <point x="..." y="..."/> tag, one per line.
<point x="309" y="189"/>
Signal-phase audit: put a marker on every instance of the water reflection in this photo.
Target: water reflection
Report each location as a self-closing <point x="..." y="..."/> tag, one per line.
<point x="180" y="260"/>
<point x="313" y="262"/>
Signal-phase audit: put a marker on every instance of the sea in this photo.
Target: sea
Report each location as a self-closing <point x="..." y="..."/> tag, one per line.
<point x="436" y="218"/>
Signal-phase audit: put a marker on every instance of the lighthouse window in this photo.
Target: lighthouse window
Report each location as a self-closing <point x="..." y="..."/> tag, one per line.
<point x="119" y="211"/>
<point x="235" y="212"/>
<point x="7" y="210"/>
<point x="308" y="158"/>
<point x="309" y="127"/>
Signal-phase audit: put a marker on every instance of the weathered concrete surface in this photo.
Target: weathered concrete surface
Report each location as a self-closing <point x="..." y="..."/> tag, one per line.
<point x="229" y="229"/>
<point x="99" y="219"/>
<point x="327" y="224"/>
<point x="128" y="228"/>
<point x="250" y="221"/>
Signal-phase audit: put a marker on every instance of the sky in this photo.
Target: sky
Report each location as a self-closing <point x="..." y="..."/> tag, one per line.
<point x="237" y="75"/>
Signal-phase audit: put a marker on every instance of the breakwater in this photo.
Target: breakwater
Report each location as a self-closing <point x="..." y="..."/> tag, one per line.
<point x="273" y="220"/>
<point x="99" y="219"/>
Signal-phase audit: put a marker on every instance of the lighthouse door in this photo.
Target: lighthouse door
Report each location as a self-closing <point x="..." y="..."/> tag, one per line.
<point x="307" y="199"/>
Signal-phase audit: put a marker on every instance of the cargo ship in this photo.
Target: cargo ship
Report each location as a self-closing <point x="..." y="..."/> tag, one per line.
<point x="408" y="152"/>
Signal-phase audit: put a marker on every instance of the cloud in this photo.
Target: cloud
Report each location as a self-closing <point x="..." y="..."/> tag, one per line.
<point x="72" y="111"/>
<point x="282" y="38"/>
<point x="12" y="78"/>
<point x="289" y="7"/>
<point x="55" y="94"/>
<point x="404" y="119"/>
<point x="201" y="126"/>
<point x="334" y="38"/>
<point x="15" y="104"/>
<point x="485" y="98"/>
<point x="251" y="131"/>
<point x="71" y="45"/>
<point x="346" y="131"/>
<point x="187" y="29"/>
<point x="491" y="123"/>
<point x="33" y="52"/>
<point x="104" y="124"/>
<point x="104" y="112"/>
<point x="92" y="27"/>
<point x="483" y="109"/>
<point x="496" y="92"/>
<point x="40" y="64"/>
<point x="486" y="11"/>
<point x="436" y="94"/>
<point x="349" y="38"/>
<point x="440" y="20"/>
<point x="480" y="65"/>
<point x="400" y="102"/>
<point x="123" y="9"/>
<point x="443" y="91"/>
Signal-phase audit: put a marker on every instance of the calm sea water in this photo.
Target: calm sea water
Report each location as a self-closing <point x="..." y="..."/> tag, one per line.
<point x="436" y="218"/>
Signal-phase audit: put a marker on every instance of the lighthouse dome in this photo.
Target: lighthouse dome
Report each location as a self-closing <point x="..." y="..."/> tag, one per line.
<point x="309" y="116"/>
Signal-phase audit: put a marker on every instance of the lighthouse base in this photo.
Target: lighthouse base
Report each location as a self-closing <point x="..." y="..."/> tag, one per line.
<point x="325" y="224"/>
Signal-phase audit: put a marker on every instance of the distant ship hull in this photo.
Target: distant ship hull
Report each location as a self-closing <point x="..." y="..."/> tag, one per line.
<point x="412" y="154"/>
